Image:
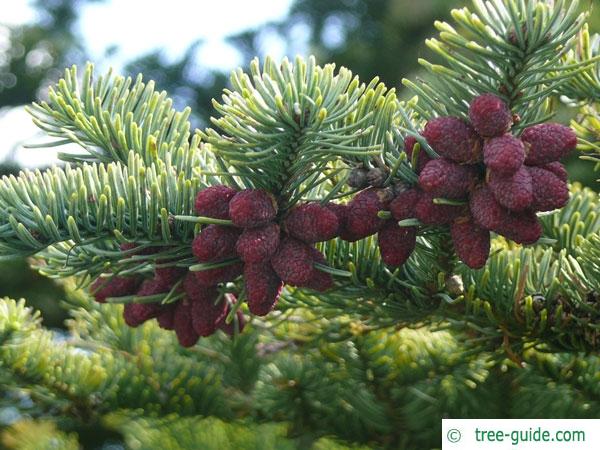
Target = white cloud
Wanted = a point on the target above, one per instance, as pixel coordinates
(17, 13)
(139, 26)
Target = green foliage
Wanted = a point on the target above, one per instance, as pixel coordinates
(587, 126)
(584, 85)
(174, 432)
(542, 293)
(385, 388)
(511, 48)
(38, 435)
(110, 116)
(94, 376)
(579, 218)
(378, 359)
(283, 124)
(584, 89)
(85, 204)
(548, 379)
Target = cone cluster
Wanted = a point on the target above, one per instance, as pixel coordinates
(268, 249)
(485, 179)
(200, 311)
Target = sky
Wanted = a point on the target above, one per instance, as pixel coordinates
(167, 25)
(172, 25)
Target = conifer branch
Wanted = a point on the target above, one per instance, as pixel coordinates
(532, 295)
(578, 219)
(100, 378)
(295, 129)
(174, 432)
(88, 208)
(376, 294)
(282, 125)
(359, 389)
(514, 53)
(582, 63)
(587, 127)
(111, 116)
(535, 296)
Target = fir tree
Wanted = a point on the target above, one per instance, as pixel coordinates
(382, 326)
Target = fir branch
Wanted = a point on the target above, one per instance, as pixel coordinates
(17, 317)
(513, 49)
(583, 272)
(582, 66)
(93, 377)
(579, 218)
(371, 382)
(583, 89)
(293, 129)
(282, 124)
(375, 387)
(534, 296)
(572, 375)
(587, 127)
(111, 116)
(91, 203)
(521, 294)
(175, 432)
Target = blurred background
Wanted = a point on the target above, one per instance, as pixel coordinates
(188, 48)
